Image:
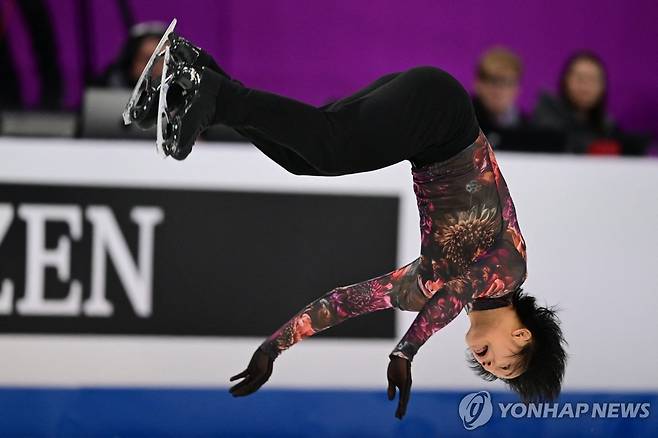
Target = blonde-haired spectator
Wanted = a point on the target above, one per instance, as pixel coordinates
(497, 83)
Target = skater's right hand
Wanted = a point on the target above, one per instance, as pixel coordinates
(399, 375)
(258, 372)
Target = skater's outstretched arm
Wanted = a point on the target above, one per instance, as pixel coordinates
(396, 289)
(499, 270)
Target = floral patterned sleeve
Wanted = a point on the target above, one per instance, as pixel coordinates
(498, 271)
(398, 288)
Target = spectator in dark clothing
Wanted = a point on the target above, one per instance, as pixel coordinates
(579, 109)
(125, 71)
(497, 81)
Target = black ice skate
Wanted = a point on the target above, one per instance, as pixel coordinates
(186, 105)
(186, 91)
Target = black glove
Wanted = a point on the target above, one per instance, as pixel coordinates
(258, 372)
(399, 375)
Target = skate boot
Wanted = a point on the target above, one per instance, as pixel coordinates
(186, 104)
(185, 94)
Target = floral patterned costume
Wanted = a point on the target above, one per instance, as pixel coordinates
(471, 250)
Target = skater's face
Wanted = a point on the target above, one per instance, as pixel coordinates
(495, 338)
(144, 51)
(498, 90)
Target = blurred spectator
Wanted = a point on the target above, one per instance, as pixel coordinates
(579, 109)
(125, 71)
(497, 81)
(497, 85)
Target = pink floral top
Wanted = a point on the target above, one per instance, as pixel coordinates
(471, 243)
(471, 249)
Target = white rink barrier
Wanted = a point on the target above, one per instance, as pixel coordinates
(589, 223)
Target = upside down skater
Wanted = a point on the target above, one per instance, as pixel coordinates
(473, 255)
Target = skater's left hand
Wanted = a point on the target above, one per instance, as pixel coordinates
(399, 375)
(258, 372)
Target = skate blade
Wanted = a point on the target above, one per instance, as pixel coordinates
(147, 71)
(162, 105)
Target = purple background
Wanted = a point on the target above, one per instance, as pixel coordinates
(317, 50)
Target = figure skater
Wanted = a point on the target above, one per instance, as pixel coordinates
(472, 255)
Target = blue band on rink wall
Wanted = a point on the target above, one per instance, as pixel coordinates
(318, 413)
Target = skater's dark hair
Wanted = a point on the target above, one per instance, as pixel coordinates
(544, 358)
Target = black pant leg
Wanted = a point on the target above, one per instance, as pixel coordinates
(285, 157)
(281, 155)
(419, 109)
(360, 93)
